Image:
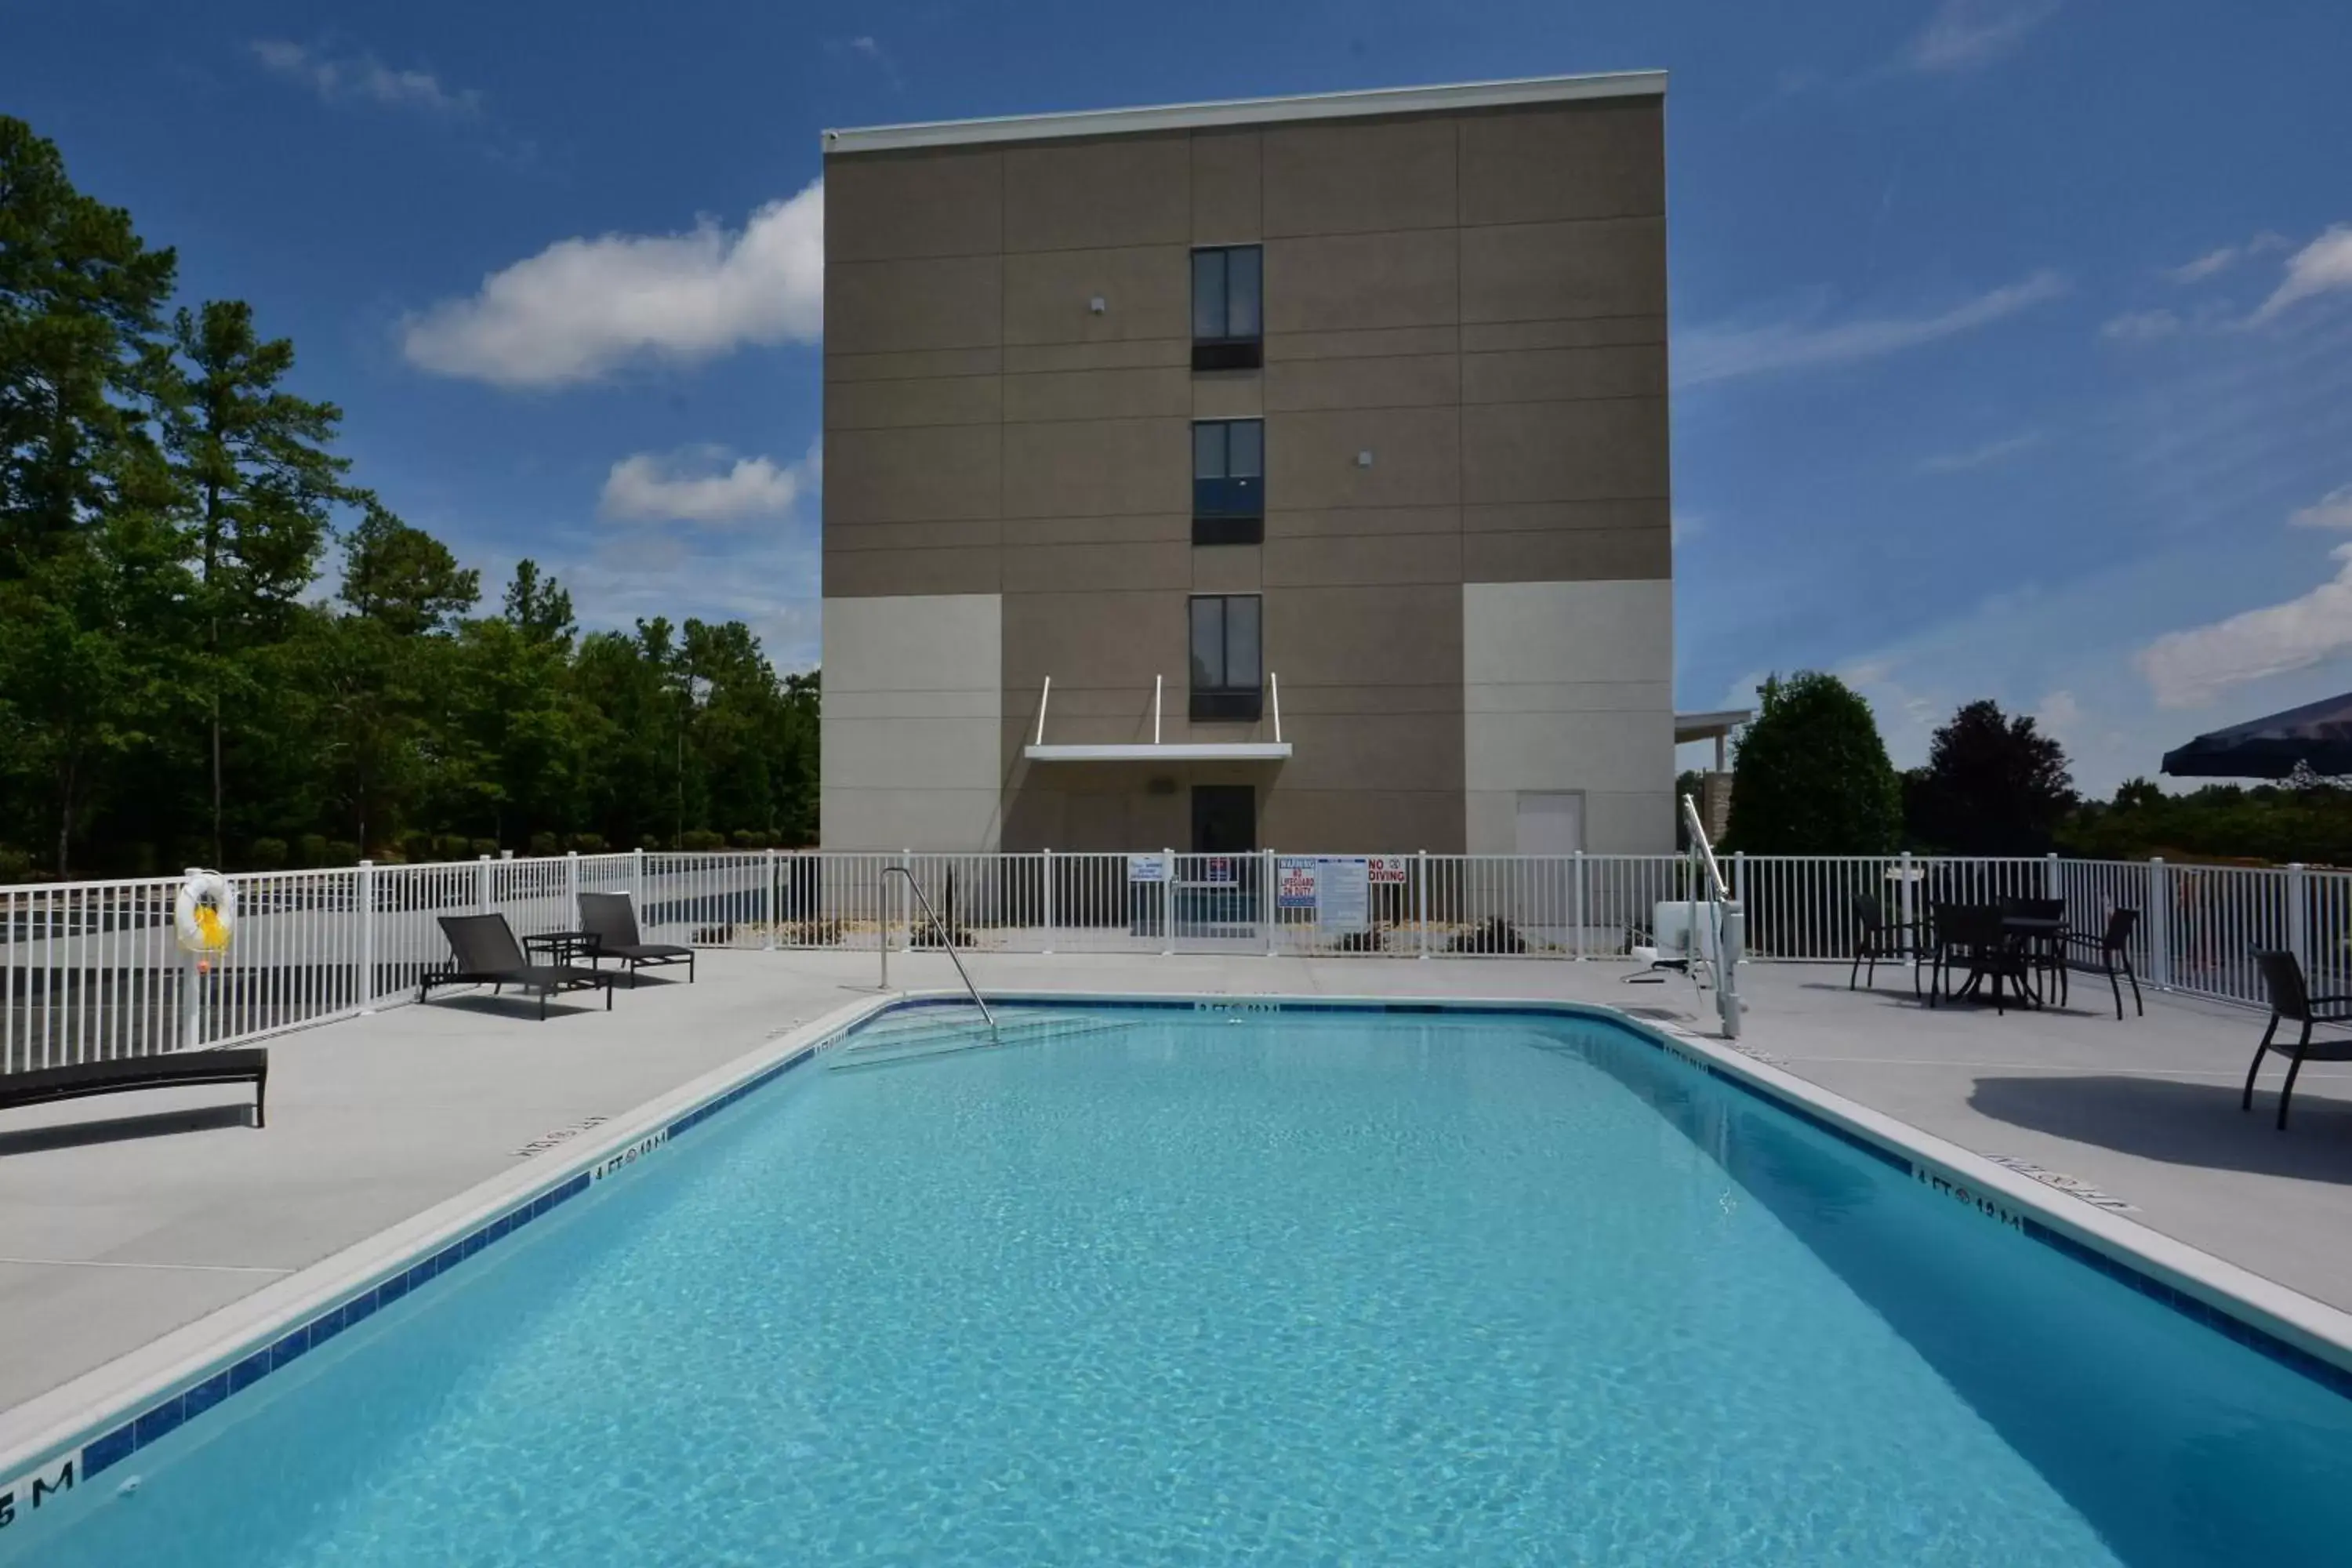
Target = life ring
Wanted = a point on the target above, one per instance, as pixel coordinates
(206, 911)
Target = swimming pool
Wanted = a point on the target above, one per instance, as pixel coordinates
(1153, 1285)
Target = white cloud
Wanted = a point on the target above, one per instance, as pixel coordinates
(1720, 353)
(583, 307)
(339, 78)
(2140, 327)
(2324, 265)
(2209, 264)
(2058, 714)
(2189, 668)
(702, 487)
(1982, 457)
(2333, 510)
(1965, 34)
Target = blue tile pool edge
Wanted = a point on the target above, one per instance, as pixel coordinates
(64, 1471)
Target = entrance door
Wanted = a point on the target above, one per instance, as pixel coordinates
(1224, 819)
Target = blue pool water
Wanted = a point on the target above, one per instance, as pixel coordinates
(1294, 1288)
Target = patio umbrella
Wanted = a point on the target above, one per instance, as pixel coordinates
(2319, 733)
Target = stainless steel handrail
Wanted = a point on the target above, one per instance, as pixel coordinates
(946, 940)
(1730, 922)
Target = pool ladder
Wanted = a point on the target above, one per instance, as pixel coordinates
(946, 940)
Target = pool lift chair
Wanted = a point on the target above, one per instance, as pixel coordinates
(1701, 935)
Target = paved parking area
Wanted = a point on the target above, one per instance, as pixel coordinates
(124, 1218)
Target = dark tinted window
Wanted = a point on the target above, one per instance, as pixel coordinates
(1225, 642)
(1226, 289)
(1228, 482)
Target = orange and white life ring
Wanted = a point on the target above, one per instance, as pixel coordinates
(205, 914)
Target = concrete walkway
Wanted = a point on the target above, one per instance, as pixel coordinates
(121, 1219)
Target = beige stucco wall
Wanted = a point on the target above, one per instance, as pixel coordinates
(909, 732)
(1568, 687)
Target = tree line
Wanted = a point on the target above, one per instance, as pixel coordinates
(1811, 776)
(216, 648)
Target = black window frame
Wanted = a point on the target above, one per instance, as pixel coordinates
(1228, 508)
(1228, 349)
(1223, 698)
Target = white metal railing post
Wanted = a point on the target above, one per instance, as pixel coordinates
(2298, 914)
(2160, 924)
(768, 866)
(192, 996)
(1167, 883)
(1420, 898)
(1583, 872)
(572, 889)
(638, 879)
(482, 883)
(364, 992)
(1740, 878)
(1048, 892)
(1270, 908)
(2049, 875)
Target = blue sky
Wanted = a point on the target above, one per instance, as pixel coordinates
(2012, 338)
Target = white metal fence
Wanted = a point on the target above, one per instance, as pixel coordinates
(90, 970)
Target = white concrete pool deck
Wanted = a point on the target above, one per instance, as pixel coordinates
(124, 1218)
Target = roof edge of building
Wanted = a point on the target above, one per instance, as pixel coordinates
(1246, 111)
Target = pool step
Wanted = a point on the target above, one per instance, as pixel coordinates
(964, 1029)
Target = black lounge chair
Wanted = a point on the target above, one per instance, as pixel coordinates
(171, 1069)
(1876, 937)
(2107, 954)
(487, 953)
(2045, 956)
(2293, 1001)
(612, 919)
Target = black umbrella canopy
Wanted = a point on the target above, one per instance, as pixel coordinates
(2319, 733)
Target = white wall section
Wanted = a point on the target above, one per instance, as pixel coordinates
(1569, 687)
(912, 726)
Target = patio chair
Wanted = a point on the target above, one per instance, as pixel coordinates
(2292, 1001)
(1874, 937)
(612, 920)
(2044, 956)
(117, 1075)
(487, 953)
(2107, 952)
(1971, 935)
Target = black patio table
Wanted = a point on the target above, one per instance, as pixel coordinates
(2027, 932)
(2019, 933)
(564, 946)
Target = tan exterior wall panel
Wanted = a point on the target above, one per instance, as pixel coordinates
(1286, 523)
(1133, 190)
(1165, 391)
(1586, 333)
(1359, 177)
(1098, 467)
(918, 474)
(1146, 293)
(1413, 751)
(1020, 358)
(891, 206)
(894, 307)
(1551, 376)
(1225, 187)
(1362, 282)
(1420, 380)
(1099, 640)
(884, 404)
(878, 573)
(1344, 821)
(1228, 394)
(1328, 562)
(1542, 272)
(1145, 528)
(1228, 568)
(1564, 451)
(1586, 555)
(1576, 161)
(917, 363)
(1399, 634)
(1623, 514)
(1077, 568)
(958, 533)
(1311, 458)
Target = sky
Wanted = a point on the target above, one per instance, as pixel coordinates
(2012, 339)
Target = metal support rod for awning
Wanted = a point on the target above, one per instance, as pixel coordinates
(1155, 709)
(1275, 681)
(1043, 697)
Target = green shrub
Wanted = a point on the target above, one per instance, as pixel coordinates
(342, 852)
(311, 849)
(267, 855)
(488, 847)
(586, 843)
(15, 866)
(449, 847)
(701, 840)
(1812, 775)
(545, 844)
(749, 838)
(416, 846)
